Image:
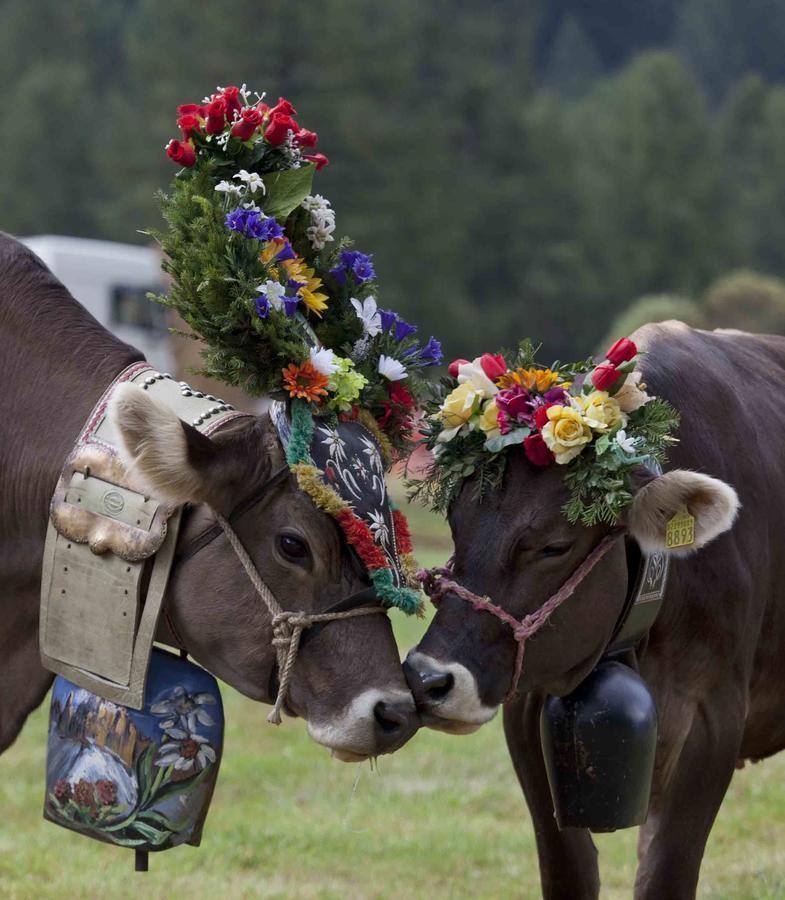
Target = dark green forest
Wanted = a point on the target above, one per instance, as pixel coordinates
(516, 167)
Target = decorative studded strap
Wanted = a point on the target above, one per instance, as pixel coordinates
(97, 624)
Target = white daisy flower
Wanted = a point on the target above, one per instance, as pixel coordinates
(323, 360)
(391, 369)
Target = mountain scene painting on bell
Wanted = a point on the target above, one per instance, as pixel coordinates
(136, 778)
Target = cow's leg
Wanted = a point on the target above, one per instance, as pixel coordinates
(689, 787)
(568, 859)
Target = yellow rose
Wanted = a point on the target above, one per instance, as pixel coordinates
(489, 420)
(457, 410)
(600, 410)
(565, 433)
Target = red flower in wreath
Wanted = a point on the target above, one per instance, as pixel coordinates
(181, 152)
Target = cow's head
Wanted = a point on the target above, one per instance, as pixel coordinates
(517, 547)
(347, 681)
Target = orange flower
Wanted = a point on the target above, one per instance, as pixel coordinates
(305, 381)
(532, 379)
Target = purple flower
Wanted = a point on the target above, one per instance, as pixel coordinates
(263, 229)
(403, 329)
(236, 221)
(290, 305)
(286, 251)
(431, 353)
(360, 266)
(262, 307)
(517, 406)
(557, 395)
(388, 318)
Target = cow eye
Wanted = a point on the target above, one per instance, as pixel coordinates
(292, 547)
(552, 550)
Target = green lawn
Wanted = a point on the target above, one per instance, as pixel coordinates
(442, 818)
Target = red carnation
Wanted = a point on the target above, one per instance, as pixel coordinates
(250, 119)
(604, 377)
(307, 138)
(189, 123)
(493, 366)
(181, 152)
(624, 349)
(455, 365)
(216, 116)
(537, 451)
(279, 127)
(283, 107)
(231, 97)
(318, 159)
(400, 395)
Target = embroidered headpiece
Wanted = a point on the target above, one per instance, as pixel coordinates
(595, 419)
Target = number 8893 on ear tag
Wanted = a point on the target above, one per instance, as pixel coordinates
(680, 530)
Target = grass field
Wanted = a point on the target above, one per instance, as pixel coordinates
(443, 818)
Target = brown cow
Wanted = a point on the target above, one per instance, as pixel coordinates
(714, 659)
(56, 361)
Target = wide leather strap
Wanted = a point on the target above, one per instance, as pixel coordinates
(97, 624)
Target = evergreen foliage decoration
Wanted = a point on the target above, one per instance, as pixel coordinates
(283, 308)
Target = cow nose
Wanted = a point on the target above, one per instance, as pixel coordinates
(429, 687)
(395, 722)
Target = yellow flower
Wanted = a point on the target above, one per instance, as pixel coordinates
(315, 301)
(565, 433)
(600, 411)
(489, 420)
(532, 379)
(456, 410)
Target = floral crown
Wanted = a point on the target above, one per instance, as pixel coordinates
(283, 307)
(596, 420)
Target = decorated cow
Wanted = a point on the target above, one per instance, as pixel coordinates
(135, 508)
(626, 609)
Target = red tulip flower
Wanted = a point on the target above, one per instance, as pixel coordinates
(493, 366)
(455, 365)
(623, 350)
(605, 376)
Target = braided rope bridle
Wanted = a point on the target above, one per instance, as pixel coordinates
(288, 625)
(438, 581)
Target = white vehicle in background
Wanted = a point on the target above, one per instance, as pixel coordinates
(112, 280)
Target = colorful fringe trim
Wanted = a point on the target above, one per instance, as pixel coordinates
(357, 532)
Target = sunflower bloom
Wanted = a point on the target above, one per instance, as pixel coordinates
(305, 382)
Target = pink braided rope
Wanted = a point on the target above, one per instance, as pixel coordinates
(437, 582)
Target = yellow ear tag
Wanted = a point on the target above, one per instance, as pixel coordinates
(680, 530)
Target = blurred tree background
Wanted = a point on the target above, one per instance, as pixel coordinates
(518, 167)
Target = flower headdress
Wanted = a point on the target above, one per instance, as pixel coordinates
(597, 421)
(283, 308)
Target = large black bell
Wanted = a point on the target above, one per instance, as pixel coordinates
(599, 744)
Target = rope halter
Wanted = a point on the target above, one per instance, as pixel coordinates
(288, 625)
(438, 581)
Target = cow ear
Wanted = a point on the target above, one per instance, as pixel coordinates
(713, 503)
(164, 456)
